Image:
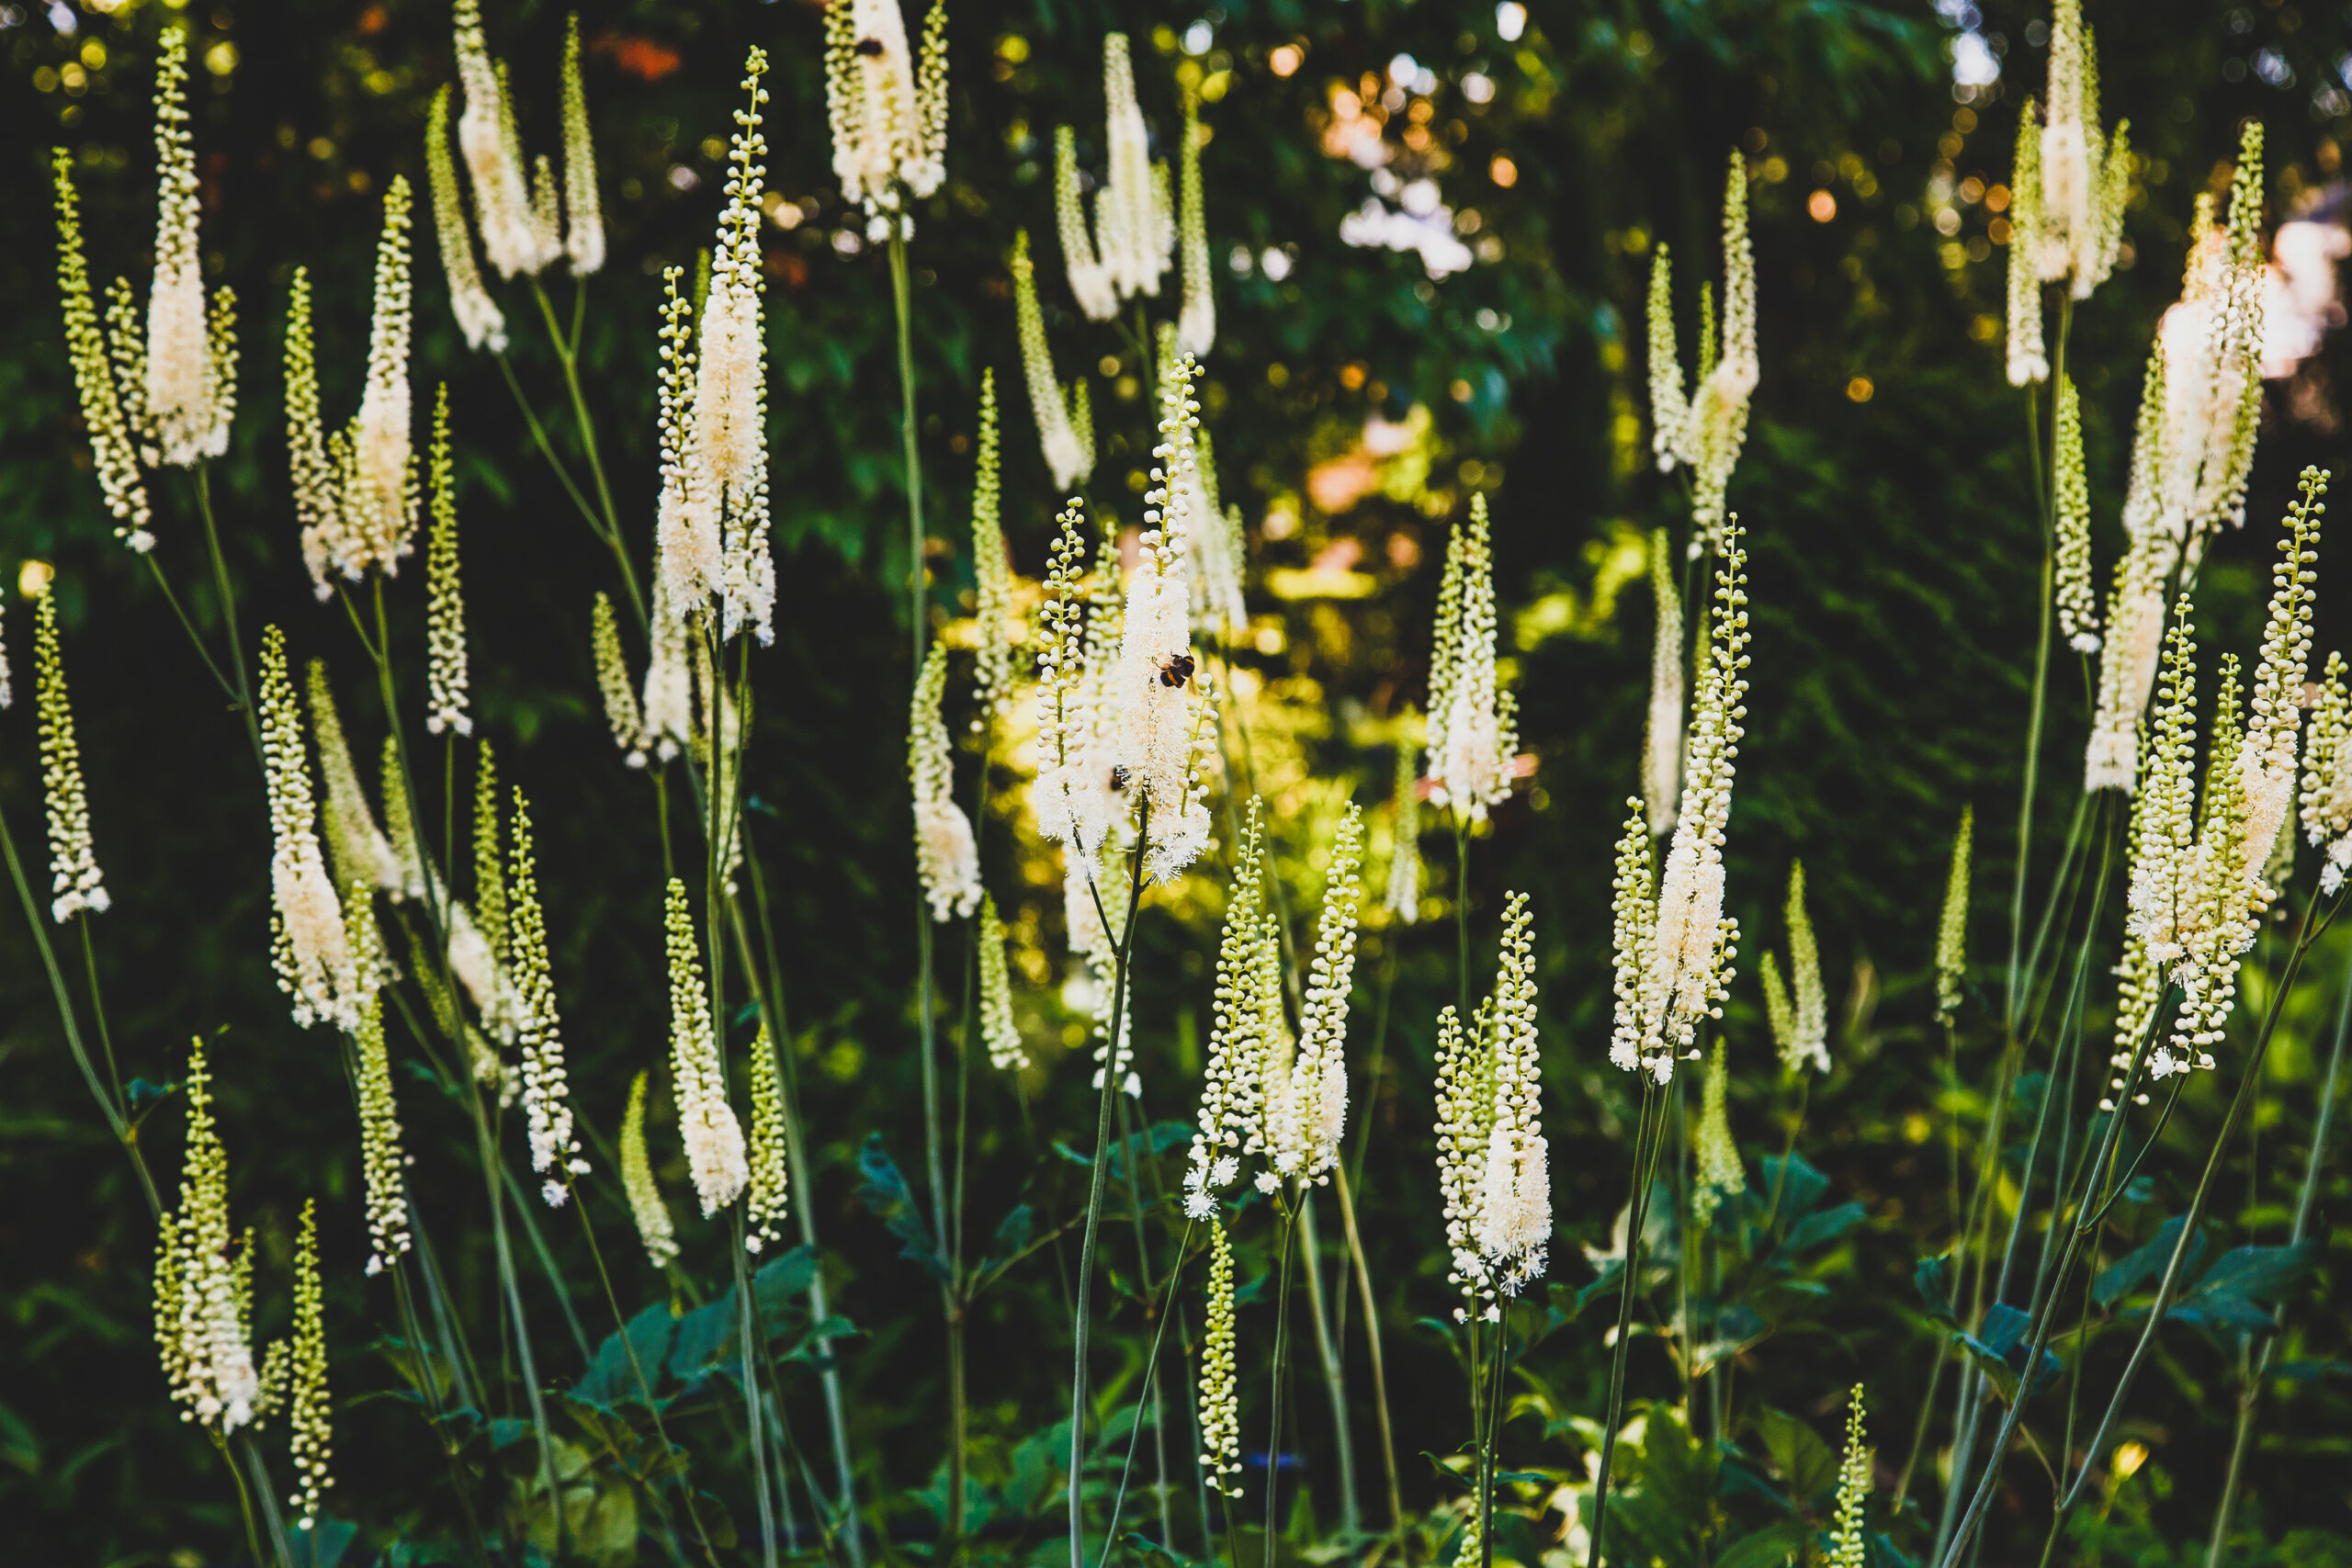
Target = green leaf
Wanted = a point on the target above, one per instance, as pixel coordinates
(1768, 1548)
(1807, 1466)
(610, 1377)
(1819, 1230)
(778, 1286)
(1800, 1189)
(885, 1194)
(1932, 1277)
(2123, 1276)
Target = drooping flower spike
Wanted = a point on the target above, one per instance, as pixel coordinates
(202, 1310)
(1662, 735)
(947, 858)
(309, 1408)
(888, 110)
(1473, 731)
(76, 885)
(1220, 1394)
(768, 1154)
(646, 1207)
(546, 1090)
(1065, 432)
(584, 239)
(714, 1139)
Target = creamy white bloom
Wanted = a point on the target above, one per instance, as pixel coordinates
(1306, 1143)
(889, 113)
(1231, 1120)
(584, 239)
(714, 1147)
(189, 394)
(76, 885)
(309, 945)
(1068, 450)
(512, 234)
(1089, 280)
(1197, 325)
(478, 314)
(1472, 728)
(1662, 736)
(203, 1276)
(947, 858)
(379, 499)
(1674, 950)
(1513, 1228)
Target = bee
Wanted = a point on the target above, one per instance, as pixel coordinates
(1177, 670)
(869, 47)
(1118, 776)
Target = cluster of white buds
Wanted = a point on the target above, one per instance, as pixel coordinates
(204, 1281)
(1848, 1546)
(1218, 545)
(76, 885)
(445, 669)
(1707, 430)
(1472, 730)
(381, 1159)
(1306, 1120)
(310, 948)
(714, 1139)
(1662, 733)
(1065, 421)
(612, 680)
(2067, 195)
(720, 456)
(1466, 1121)
(114, 451)
(998, 1031)
(1064, 725)
(1952, 928)
(1719, 1176)
(2326, 798)
(2250, 792)
(1162, 716)
(309, 1409)
(478, 314)
(1134, 238)
(1220, 1401)
(546, 1090)
(1674, 949)
(1249, 999)
(2203, 446)
(645, 1203)
(190, 385)
(519, 216)
(162, 390)
(1513, 1224)
(888, 110)
(1196, 323)
(1800, 1021)
(947, 858)
(992, 612)
(2135, 606)
(1403, 899)
(768, 1154)
(356, 493)
(2077, 610)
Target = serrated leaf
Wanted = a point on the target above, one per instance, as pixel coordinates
(1932, 1278)
(2123, 1276)
(1800, 1189)
(1808, 1468)
(1818, 1230)
(885, 1196)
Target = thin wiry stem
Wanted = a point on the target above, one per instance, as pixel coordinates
(2250, 1390)
(1648, 1137)
(1099, 1179)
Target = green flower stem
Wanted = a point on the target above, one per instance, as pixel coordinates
(744, 1315)
(2250, 1390)
(244, 681)
(1166, 1310)
(1487, 1437)
(379, 649)
(124, 1132)
(1097, 1180)
(1343, 1188)
(244, 1500)
(567, 353)
(1327, 1352)
(2249, 1079)
(1650, 1135)
(1278, 1373)
(770, 998)
(432, 1386)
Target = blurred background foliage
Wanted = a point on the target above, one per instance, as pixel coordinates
(1355, 401)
